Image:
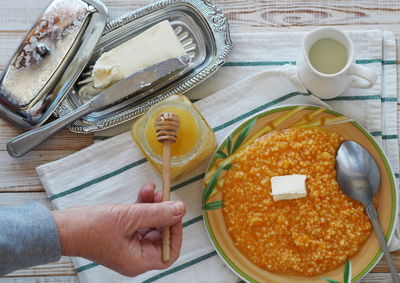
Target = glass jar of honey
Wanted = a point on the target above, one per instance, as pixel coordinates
(195, 141)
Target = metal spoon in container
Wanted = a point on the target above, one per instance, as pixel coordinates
(359, 178)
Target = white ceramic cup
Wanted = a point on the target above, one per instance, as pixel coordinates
(331, 85)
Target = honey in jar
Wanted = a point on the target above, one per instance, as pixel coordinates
(195, 141)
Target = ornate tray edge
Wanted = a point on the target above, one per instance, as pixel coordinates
(218, 23)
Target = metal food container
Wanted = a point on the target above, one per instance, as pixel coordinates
(202, 29)
(49, 60)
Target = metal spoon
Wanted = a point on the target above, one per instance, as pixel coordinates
(359, 178)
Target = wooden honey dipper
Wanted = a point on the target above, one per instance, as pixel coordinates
(167, 128)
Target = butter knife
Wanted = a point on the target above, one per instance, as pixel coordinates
(134, 87)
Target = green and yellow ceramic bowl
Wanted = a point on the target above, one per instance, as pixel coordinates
(279, 118)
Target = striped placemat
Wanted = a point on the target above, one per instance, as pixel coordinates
(114, 169)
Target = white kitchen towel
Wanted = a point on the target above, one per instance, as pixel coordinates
(114, 169)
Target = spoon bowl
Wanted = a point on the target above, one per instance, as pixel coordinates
(357, 172)
(359, 178)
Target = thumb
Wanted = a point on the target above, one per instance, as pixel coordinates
(154, 215)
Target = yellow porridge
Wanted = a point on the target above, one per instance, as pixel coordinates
(304, 236)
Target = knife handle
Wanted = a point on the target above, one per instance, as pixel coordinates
(24, 143)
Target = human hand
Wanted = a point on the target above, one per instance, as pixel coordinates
(123, 237)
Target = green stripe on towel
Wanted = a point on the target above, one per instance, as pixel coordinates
(376, 134)
(356, 97)
(180, 267)
(86, 267)
(258, 63)
(98, 180)
(389, 137)
(389, 99)
(389, 62)
(369, 61)
(101, 138)
(192, 221)
(280, 63)
(363, 97)
(187, 182)
(385, 137)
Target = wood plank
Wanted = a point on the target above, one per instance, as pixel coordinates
(377, 278)
(63, 267)
(19, 175)
(9, 41)
(63, 140)
(302, 13)
(20, 14)
(41, 279)
(15, 21)
(382, 265)
(23, 198)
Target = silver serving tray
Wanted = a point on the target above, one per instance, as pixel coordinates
(202, 29)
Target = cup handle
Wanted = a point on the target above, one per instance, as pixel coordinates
(365, 77)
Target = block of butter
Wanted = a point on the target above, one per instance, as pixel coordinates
(152, 46)
(195, 141)
(288, 187)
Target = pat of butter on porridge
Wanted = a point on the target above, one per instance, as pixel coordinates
(288, 187)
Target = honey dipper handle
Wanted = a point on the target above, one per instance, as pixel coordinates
(166, 238)
(166, 171)
(166, 242)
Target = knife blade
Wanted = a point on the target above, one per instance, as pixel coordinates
(134, 87)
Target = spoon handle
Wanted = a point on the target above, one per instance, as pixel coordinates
(371, 211)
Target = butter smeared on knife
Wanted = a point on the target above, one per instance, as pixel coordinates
(154, 45)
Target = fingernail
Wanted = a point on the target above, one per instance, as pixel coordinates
(152, 185)
(177, 208)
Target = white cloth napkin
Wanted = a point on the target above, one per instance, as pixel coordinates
(114, 169)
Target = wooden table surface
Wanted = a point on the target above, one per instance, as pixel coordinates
(18, 180)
